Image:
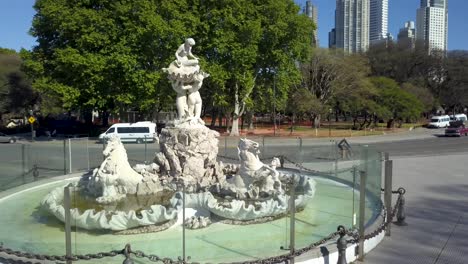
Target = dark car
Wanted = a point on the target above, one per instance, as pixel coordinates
(456, 129)
(6, 138)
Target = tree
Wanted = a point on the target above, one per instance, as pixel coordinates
(402, 105)
(251, 46)
(107, 54)
(336, 80)
(454, 95)
(16, 93)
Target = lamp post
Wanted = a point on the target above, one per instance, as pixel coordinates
(329, 122)
(274, 104)
(31, 112)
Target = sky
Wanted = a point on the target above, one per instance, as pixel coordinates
(16, 17)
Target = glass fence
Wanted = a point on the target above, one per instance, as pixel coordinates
(347, 182)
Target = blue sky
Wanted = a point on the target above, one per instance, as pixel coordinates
(16, 17)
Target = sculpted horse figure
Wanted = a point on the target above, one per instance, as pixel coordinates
(254, 177)
(115, 177)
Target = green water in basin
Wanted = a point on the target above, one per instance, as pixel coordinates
(27, 228)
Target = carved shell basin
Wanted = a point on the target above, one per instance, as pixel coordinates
(158, 214)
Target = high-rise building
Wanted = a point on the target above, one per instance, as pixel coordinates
(407, 35)
(432, 24)
(378, 20)
(311, 11)
(332, 39)
(352, 25)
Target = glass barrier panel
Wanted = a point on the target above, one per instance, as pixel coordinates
(370, 167)
(374, 184)
(47, 159)
(78, 155)
(14, 165)
(95, 152)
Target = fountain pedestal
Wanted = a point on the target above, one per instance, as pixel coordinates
(189, 153)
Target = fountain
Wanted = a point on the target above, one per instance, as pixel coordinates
(251, 192)
(236, 211)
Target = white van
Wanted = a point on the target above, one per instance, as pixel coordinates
(439, 121)
(138, 132)
(458, 117)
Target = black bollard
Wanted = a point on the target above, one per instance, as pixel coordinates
(342, 245)
(401, 214)
(127, 250)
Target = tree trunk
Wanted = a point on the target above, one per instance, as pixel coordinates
(317, 120)
(238, 111)
(220, 119)
(251, 119)
(390, 123)
(214, 115)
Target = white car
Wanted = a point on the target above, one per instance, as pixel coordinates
(138, 132)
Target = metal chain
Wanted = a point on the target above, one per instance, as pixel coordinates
(383, 225)
(20, 254)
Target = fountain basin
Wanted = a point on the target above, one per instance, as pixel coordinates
(27, 228)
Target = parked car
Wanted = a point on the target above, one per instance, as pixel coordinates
(6, 138)
(457, 129)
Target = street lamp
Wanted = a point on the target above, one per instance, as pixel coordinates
(31, 113)
(329, 122)
(274, 104)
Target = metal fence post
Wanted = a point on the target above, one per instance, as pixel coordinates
(127, 250)
(23, 162)
(69, 156)
(388, 191)
(292, 221)
(183, 221)
(66, 205)
(342, 244)
(87, 152)
(225, 146)
(401, 212)
(146, 150)
(362, 213)
(301, 151)
(64, 157)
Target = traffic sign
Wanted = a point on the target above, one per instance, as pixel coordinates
(31, 119)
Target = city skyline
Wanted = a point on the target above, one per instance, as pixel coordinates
(399, 12)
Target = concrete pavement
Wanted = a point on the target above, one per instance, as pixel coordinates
(437, 213)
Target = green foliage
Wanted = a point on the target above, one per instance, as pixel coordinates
(109, 54)
(16, 94)
(401, 104)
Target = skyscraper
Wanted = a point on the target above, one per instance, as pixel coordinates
(378, 20)
(311, 11)
(352, 25)
(407, 35)
(432, 24)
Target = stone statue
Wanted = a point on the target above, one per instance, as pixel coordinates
(186, 79)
